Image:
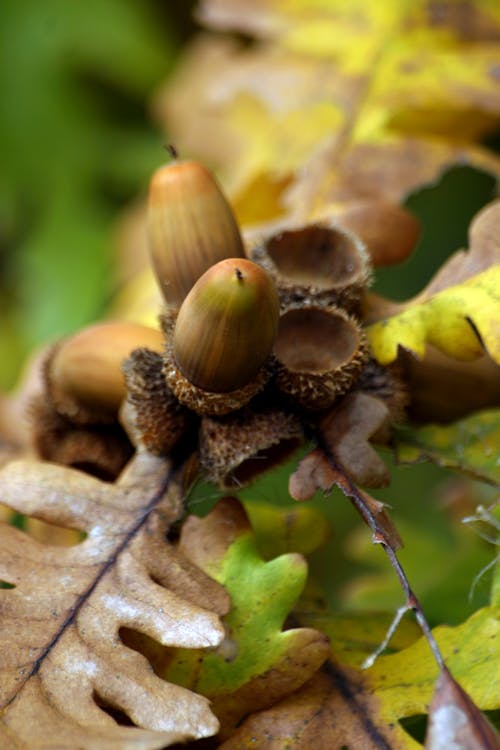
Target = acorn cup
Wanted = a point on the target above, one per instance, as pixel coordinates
(321, 263)
(152, 417)
(98, 449)
(83, 375)
(320, 352)
(191, 226)
(218, 349)
(236, 448)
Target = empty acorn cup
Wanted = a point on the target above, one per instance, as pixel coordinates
(219, 346)
(191, 226)
(321, 263)
(236, 448)
(320, 352)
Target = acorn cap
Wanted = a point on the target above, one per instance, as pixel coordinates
(100, 450)
(198, 400)
(191, 226)
(321, 263)
(151, 414)
(226, 326)
(83, 375)
(235, 449)
(319, 352)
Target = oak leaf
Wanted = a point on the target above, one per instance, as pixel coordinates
(469, 445)
(336, 103)
(345, 706)
(64, 667)
(461, 321)
(346, 431)
(457, 312)
(454, 720)
(240, 677)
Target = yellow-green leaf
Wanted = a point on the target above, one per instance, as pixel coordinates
(342, 101)
(469, 445)
(258, 663)
(445, 321)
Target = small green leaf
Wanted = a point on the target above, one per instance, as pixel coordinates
(259, 662)
(301, 528)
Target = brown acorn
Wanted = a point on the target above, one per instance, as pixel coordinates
(319, 353)
(223, 336)
(191, 226)
(390, 232)
(84, 380)
(317, 263)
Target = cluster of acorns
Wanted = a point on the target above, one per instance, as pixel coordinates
(255, 344)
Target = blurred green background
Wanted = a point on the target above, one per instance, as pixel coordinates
(77, 145)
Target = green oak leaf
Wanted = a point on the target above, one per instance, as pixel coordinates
(344, 705)
(259, 662)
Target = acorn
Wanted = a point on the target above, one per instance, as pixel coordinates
(389, 232)
(84, 380)
(318, 263)
(218, 351)
(319, 353)
(191, 226)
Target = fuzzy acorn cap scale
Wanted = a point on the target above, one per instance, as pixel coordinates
(320, 352)
(321, 263)
(236, 448)
(151, 415)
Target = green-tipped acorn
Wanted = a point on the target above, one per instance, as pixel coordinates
(226, 326)
(191, 226)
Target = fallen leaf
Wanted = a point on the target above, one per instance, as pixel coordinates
(238, 677)
(335, 103)
(461, 321)
(346, 430)
(445, 389)
(343, 706)
(469, 445)
(301, 529)
(63, 660)
(455, 722)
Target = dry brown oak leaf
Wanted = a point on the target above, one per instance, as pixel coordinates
(62, 661)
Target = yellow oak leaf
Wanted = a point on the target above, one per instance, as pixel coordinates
(337, 101)
(460, 321)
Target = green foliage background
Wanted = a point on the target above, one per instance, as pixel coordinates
(77, 143)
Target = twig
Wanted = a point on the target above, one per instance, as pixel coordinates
(385, 535)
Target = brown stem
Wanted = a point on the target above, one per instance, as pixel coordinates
(385, 535)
